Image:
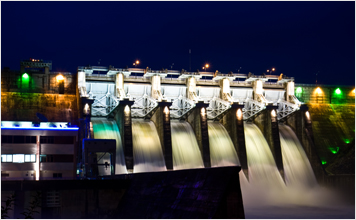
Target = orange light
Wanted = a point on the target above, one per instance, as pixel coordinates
(273, 69)
(137, 61)
(59, 77)
(206, 65)
(239, 114)
(318, 90)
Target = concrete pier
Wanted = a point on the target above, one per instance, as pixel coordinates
(268, 124)
(234, 125)
(161, 119)
(199, 122)
(122, 116)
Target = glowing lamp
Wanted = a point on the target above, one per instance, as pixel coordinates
(127, 109)
(338, 91)
(25, 76)
(318, 91)
(273, 113)
(137, 61)
(86, 109)
(299, 90)
(59, 78)
(202, 111)
(239, 114)
(206, 65)
(307, 114)
(166, 110)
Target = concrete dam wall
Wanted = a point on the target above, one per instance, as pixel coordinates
(16, 106)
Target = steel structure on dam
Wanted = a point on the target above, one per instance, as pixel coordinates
(146, 87)
(195, 97)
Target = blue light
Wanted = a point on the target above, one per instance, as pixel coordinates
(39, 128)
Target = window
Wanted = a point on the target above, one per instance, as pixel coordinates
(19, 158)
(57, 139)
(30, 158)
(43, 158)
(17, 139)
(5, 174)
(64, 139)
(57, 158)
(57, 175)
(47, 139)
(6, 158)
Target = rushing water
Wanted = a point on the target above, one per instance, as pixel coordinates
(222, 151)
(185, 149)
(297, 169)
(261, 165)
(105, 129)
(265, 195)
(147, 150)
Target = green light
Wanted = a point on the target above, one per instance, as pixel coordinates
(323, 162)
(338, 91)
(25, 76)
(334, 150)
(299, 90)
(347, 141)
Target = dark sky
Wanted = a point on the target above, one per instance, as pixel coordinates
(299, 39)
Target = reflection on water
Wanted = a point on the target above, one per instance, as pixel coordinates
(185, 149)
(107, 129)
(147, 150)
(222, 151)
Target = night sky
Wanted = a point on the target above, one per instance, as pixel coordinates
(299, 39)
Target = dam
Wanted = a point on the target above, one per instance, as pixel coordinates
(136, 121)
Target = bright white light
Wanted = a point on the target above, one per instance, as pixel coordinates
(30, 157)
(86, 110)
(273, 113)
(59, 77)
(27, 158)
(307, 115)
(203, 111)
(19, 158)
(127, 109)
(318, 90)
(166, 110)
(9, 158)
